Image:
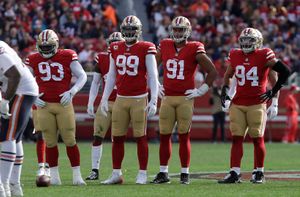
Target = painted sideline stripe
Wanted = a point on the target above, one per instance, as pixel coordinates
(224, 172)
(280, 118)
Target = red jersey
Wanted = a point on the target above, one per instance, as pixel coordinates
(131, 71)
(102, 60)
(251, 73)
(53, 75)
(291, 104)
(179, 66)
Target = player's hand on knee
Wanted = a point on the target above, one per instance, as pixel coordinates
(39, 102)
(104, 107)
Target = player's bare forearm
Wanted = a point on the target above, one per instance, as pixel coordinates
(273, 77)
(13, 80)
(228, 75)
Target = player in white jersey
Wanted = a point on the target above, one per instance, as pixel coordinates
(19, 91)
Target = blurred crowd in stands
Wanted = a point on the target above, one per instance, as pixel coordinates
(217, 23)
(83, 25)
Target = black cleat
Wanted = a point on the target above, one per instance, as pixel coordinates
(161, 177)
(232, 177)
(94, 175)
(184, 178)
(259, 178)
(253, 176)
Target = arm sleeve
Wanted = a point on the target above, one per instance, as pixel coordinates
(232, 89)
(152, 76)
(80, 74)
(94, 88)
(111, 79)
(283, 74)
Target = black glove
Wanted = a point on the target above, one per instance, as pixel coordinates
(268, 95)
(224, 95)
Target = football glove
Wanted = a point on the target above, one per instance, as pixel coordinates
(90, 110)
(192, 93)
(224, 95)
(227, 105)
(161, 91)
(151, 108)
(104, 107)
(272, 110)
(66, 97)
(268, 95)
(39, 102)
(4, 109)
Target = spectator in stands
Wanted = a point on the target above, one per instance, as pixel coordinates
(292, 108)
(217, 113)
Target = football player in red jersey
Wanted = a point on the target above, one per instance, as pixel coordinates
(132, 65)
(180, 59)
(53, 69)
(40, 145)
(101, 122)
(251, 65)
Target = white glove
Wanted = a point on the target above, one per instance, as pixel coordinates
(227, 105)
(161, 91)
(104, 107)
(4, 109)
(39, 102)
(192, 93)
(151, 108)
(272, 110)
(90, 110)
(66, 97)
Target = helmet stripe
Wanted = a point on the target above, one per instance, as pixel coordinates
(43, 36)
(47, 32)
(129, 18)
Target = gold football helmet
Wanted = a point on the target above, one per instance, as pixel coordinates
(131, 28)
(47, 43)
(250, 40)
(115, 36)
(180, 29)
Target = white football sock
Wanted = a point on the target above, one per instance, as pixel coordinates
(41, 165)
(117, 171)
(236, 169)
(76, 171)
(17, 168)
(260, 169)
(164, 169)
(185, 170)
(96, 156)
(54, 172)
(143, 172)
(7, 159)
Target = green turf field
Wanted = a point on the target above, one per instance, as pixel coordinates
(205, 158)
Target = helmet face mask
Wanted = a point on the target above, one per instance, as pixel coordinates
(47, 43)
(131, 28)
(250, 40)
(180, 29)
(114, 37)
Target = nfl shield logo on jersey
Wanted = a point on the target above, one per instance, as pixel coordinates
(115, 47)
